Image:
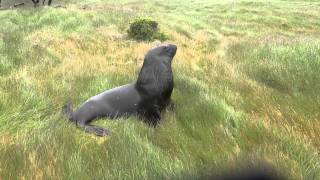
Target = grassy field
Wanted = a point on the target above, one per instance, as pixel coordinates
(247, 88)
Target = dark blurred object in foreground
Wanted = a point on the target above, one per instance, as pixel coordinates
(243, 170)
(248, 174)
(260, 173)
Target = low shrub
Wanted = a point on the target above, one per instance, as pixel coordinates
(145, 29)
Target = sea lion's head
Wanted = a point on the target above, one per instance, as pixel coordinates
(163, 52)
(155, 80)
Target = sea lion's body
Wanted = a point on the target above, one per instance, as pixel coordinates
(116, 102)
(145, 98)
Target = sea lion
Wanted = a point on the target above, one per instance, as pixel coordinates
(146, 98)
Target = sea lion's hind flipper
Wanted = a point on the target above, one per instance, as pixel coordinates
(98, 131)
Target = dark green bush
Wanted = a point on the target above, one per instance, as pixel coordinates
(145, 29)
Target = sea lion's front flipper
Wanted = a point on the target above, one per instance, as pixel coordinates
(153, 115)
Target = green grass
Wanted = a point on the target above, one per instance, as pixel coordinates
(246, 89)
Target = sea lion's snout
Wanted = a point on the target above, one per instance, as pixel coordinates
(172, 49)
(164, 51)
